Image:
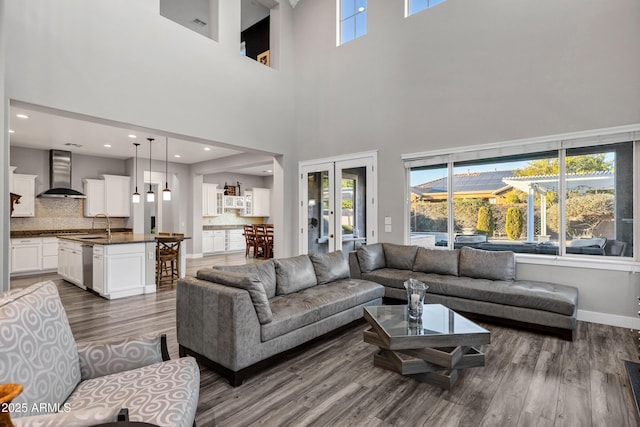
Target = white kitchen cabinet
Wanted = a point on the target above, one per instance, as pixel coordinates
(70, 262)
(233, 202)
(207, 241)
(211, 200)
(257, 202)
(26, 255)
(98, 269)
(120, 271)
(30, 255)
(235, 240)
(25, 186)
(213, 241)
(117, 191)
(95, 201)
(218, 240)
(110, 195)
(49, 253)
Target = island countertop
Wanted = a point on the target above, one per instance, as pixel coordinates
(116, 238)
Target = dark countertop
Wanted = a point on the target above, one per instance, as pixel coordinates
(116, 238)
(17, 234)
(222, 227)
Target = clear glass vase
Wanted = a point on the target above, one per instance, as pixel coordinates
(416, 291)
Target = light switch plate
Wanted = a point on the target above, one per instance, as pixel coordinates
(387, 228)
(387, 220)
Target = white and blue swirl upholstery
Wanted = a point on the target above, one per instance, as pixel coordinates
(89, 382)
(37, 348)
(108, 357)
(164, 393)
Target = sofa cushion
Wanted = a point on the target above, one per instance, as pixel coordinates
(38, 348)
(491, 265)
(294, 274)
(439, 261)
(399, 256)
(330, 267)
(164, 394)
(291, 312)
(392, 278)
(265, 270)
(543, 296)
(371, 257)
(249, 282)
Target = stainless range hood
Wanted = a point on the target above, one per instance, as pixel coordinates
(60, 176)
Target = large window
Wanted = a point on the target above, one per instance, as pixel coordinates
(570, 201)
(415, 6)
(352, 20)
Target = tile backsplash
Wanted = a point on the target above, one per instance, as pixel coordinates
(59, 214)
(231, 218)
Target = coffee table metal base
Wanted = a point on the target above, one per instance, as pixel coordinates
(437, 366)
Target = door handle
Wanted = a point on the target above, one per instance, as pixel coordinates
(331, 236)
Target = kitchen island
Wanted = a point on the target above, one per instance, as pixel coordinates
(115, 266)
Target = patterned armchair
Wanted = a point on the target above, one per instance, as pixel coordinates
(87, 383)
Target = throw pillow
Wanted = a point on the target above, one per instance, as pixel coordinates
(400, 257)
(266, 271)
(371, 257)
(294, 274)
(330, 267)
(248, 282)
(438, 261)
(481, 264)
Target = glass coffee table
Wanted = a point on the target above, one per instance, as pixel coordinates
(432, 350)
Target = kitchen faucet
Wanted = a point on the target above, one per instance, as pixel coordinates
(108, 221)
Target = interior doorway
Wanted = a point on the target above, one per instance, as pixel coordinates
(338, 203)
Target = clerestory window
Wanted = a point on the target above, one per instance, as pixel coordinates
(352, 20)
(415, 6)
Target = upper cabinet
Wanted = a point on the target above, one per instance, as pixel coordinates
(211, 200)
(25, 186)
(109, 195)
(257, 202)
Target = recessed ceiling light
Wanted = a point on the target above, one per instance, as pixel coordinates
(22, 116)
(177, 155)
(267, 171)
(107, 145)
(207, 148)
(132, 136)
(12, 131)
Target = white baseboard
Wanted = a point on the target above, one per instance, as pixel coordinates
(193, 256)
(609, 319)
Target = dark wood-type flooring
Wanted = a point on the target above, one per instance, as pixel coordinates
(529, 379)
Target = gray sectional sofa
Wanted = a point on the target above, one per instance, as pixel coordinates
(237, 319)
(478, 283)
(87, 383)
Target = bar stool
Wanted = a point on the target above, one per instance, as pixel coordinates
(167, 257)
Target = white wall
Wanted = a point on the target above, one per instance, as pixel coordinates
(463, 73)
(120, 60)
(4, 171)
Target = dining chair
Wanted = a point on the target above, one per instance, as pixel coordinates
(250, 239)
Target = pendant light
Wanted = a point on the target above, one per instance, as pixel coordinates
(135, 198)
(166, 193)
(151, 197)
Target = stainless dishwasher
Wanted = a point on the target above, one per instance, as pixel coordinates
(87, 266)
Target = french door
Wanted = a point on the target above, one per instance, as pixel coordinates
(337, 204)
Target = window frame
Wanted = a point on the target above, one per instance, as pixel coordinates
(559, 143)
(339, 21)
